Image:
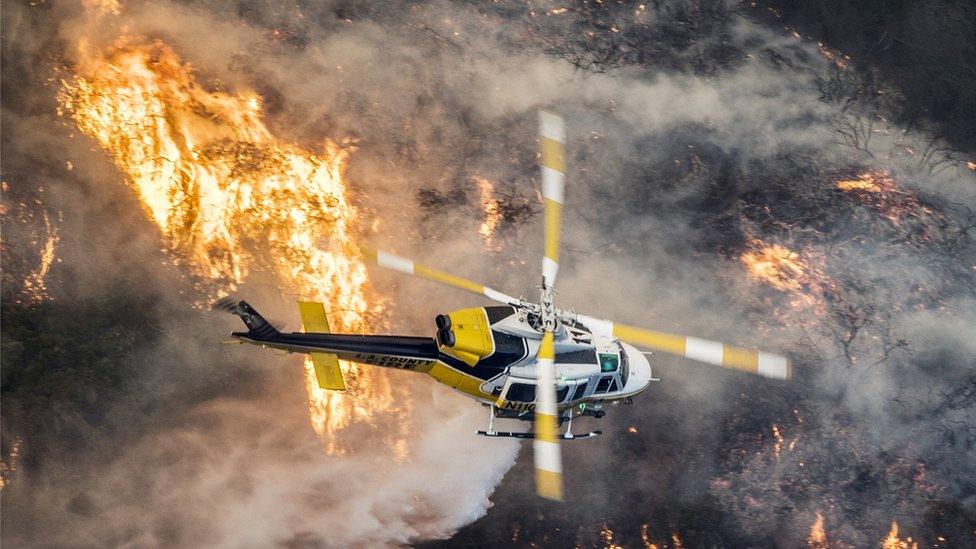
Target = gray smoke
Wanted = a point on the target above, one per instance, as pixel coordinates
(673, 157)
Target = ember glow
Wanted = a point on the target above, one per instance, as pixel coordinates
(229, 197)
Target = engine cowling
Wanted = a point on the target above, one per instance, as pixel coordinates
(465, 334)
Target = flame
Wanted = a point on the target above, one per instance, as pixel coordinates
(112, 7)
(778, 445)
(35, 288)
(676, 541)
(646, 537)
(869, 182)
(8, 466)
(230, 198)
(493, 212)
(818, 536)
(894, 204)
(892, 541)
(774, 264)
(606, 534)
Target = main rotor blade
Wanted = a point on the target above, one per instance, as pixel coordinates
(547, 459)
(552, 138)
(408, 266)
(703, 350)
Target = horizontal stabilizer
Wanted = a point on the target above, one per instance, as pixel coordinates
(327, 370)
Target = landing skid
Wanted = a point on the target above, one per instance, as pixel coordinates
(564, 436)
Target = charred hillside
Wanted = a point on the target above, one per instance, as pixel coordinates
(729, 177)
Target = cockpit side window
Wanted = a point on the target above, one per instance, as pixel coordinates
(624, 367)
(604, 384)
(521, 392)
(609, 362)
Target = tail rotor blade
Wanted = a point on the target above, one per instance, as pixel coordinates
(408, 266)
(552, 139)
(716, 353)
(545, 446)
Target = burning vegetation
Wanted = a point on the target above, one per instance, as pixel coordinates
(230, 198)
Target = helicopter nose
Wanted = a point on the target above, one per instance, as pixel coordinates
(640, 370)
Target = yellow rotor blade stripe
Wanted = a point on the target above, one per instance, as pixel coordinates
(554, 212)
(668, 343)
(441, 276)
(708, 351)
(738, 358)
(545, 427)
(369, 255)
(553, 155)
(549, 484)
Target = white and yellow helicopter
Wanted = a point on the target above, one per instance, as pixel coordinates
(523, 360)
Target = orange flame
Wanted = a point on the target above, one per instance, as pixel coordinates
(892, 541)
(35, 287)
(229, 197)
(646, 537)
(818, 535)
(493, 213)
(774, 264)
(9, 466)
(778, 441)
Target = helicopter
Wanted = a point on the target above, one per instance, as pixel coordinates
(523, 360)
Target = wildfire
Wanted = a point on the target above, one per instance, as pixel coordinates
(892, 541)
(818, 535)
(774, 264)
(493, 213)
(229, 197)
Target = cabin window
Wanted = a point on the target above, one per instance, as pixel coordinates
(580, 390)
(609, 362)
(613, 386)
(561, 393)
(586, 356)
(521, 392)
(604, 384)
